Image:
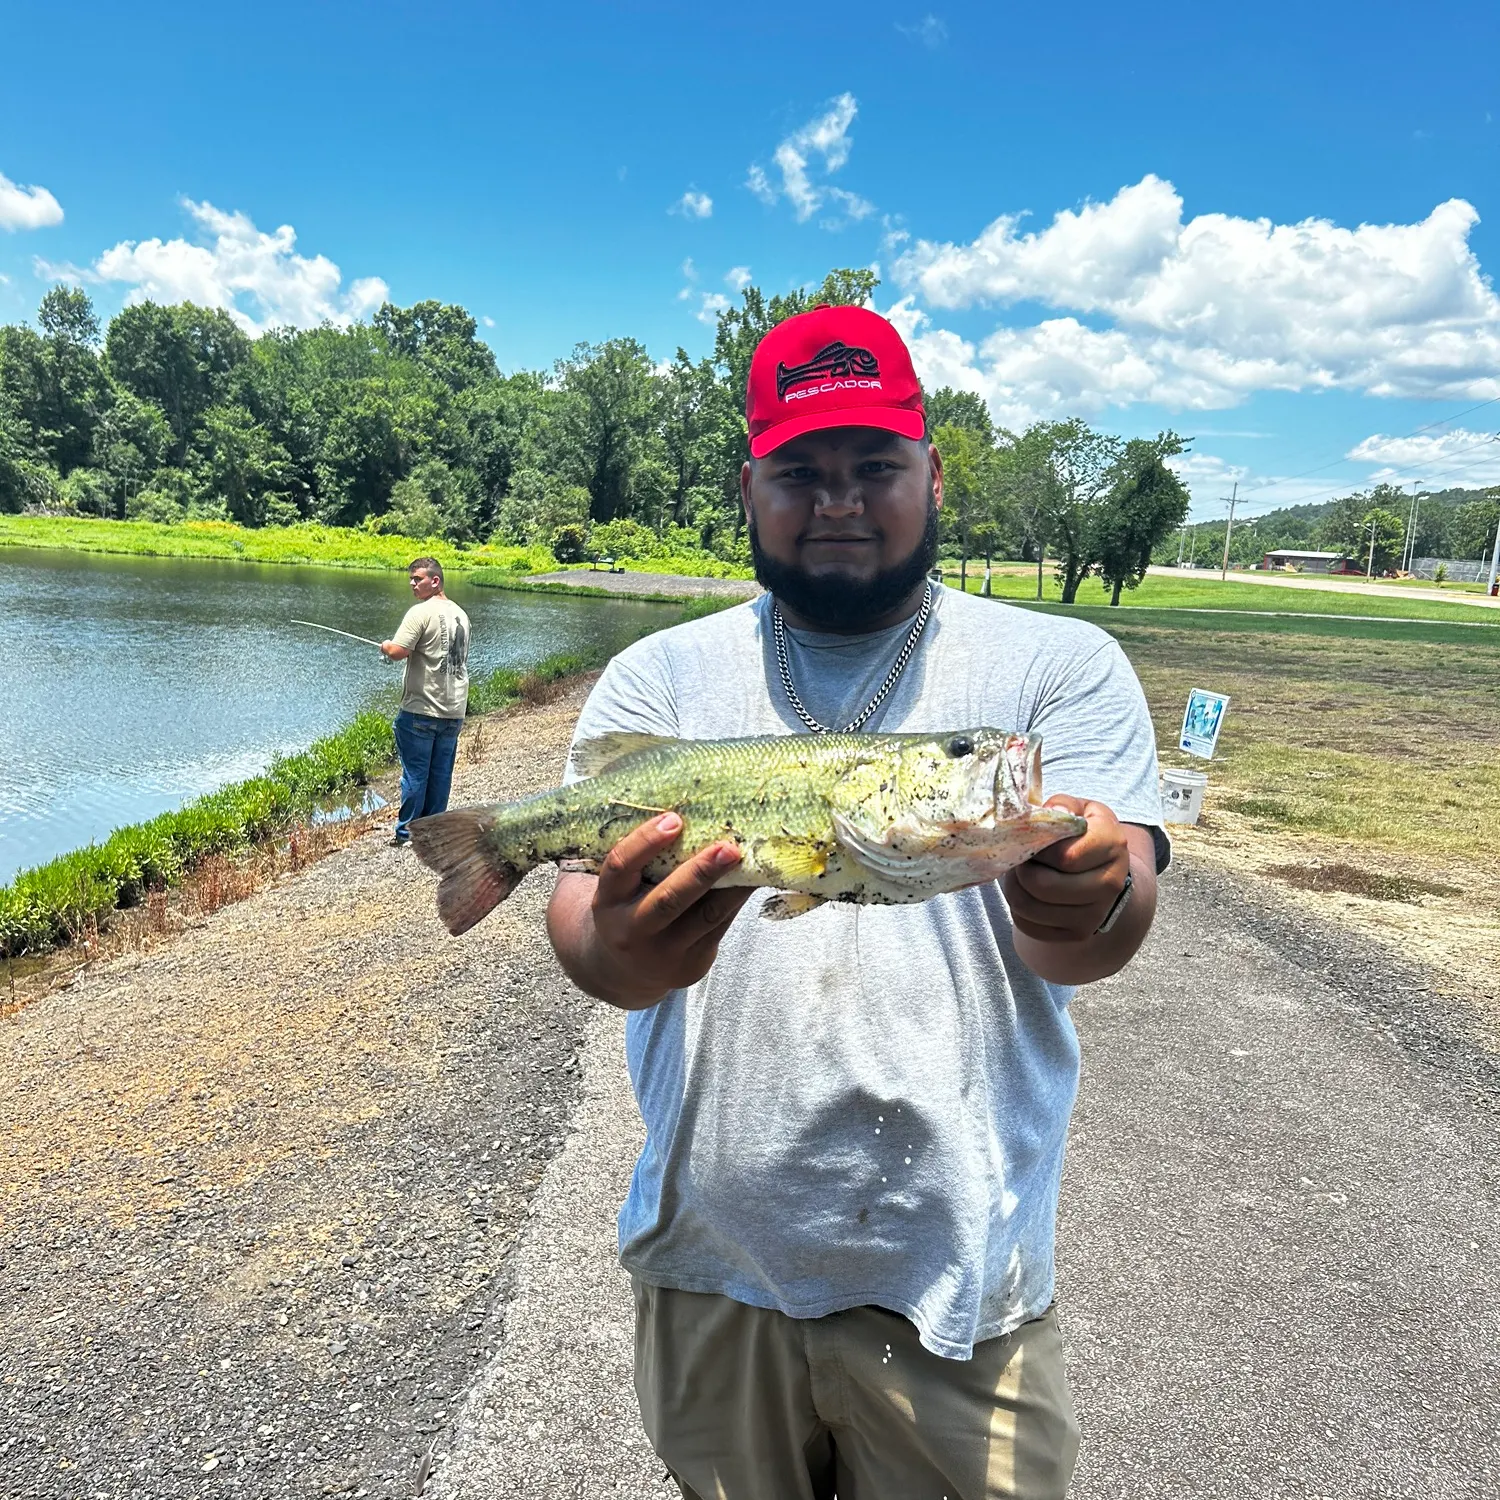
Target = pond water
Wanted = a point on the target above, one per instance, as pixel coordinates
(133, 684)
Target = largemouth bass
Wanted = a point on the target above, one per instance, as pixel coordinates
(874, 818)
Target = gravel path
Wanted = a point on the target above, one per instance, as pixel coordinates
(315, 1191)
(261, 1185)
(1278, 1244)
(652, 583)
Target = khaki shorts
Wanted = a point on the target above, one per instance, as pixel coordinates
(747, 1404)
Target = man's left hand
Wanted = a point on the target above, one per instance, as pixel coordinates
(1063, 893)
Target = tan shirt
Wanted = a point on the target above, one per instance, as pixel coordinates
(436, 632)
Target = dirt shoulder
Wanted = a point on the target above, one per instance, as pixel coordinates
(262, 1183)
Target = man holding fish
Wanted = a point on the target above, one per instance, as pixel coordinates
(856, 1085)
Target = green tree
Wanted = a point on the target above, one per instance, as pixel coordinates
(1473, 527)
(433, 500)
(441, 338)
(1145, 502)
(180, 358)
(237, 462)
(607, 423)
(1081, 465)
(131, 443)
(740, 329)
(1383, 534)
(947, 407)
(966, 487)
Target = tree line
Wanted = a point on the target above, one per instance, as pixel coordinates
(405, 425)
(1456, 524)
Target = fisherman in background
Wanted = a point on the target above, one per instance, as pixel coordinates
(840, 1229)
(433, 641)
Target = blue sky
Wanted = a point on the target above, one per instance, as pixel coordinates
(1274, 233)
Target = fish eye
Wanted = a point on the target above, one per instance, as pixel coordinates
(959, 746)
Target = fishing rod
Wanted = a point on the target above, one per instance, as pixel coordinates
(335, 631)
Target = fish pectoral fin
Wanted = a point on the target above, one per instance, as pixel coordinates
(788, 860)
(578, 866)
(604, 752)
(784, 905)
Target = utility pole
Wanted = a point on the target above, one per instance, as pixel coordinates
(1229, 527)
(1181, 539)
(1409, 551)
(1370, 566)
(1489, 588)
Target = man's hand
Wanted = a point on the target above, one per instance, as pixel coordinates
(627, 942)
(1059, 897)
(1063, 893)
(392, 652)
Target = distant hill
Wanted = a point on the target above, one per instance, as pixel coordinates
(1441, 532)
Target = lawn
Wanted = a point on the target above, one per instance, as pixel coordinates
(1018, 582)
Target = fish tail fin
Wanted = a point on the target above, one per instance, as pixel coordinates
(474, 880)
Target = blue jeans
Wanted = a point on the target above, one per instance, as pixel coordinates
(427, 747)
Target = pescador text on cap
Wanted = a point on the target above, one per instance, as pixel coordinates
(831, 367)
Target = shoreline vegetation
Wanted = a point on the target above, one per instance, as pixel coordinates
(515, 568)
(308, 544)
(67, 900)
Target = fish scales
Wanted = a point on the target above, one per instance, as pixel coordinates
(850, 817)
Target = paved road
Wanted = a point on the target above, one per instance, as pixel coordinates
(1278, 1247)
(1334, 585)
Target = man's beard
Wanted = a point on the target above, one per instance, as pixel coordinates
(847, 604)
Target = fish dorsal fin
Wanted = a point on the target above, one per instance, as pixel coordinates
(603, 753)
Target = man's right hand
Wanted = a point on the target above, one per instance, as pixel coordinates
(628, 942)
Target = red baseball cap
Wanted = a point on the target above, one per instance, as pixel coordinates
(831, 367)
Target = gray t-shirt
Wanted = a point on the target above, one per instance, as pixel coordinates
(869, 1105)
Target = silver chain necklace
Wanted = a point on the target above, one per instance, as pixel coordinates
(778, 632)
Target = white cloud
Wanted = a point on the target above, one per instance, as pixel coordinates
(826, 137)
(27, 207)
(712, 305)
(257, 278)
(738, 277)
(487, 321)
(693, 205)
(930, 31)
(1202, 313)
(1460, 458)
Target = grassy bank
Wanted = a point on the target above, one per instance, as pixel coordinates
(323, 546)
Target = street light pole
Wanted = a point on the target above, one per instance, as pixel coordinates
(1229, 527)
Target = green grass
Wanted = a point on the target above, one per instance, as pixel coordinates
(55, 903)
(324, 546)
(1156, 592)
(1378, 734)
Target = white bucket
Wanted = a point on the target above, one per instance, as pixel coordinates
(1182, 795)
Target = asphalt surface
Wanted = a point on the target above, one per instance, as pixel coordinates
(1279, 1242)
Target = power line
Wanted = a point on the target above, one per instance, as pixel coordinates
(1415, 432)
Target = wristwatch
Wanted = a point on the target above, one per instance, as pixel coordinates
(1121, 902)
